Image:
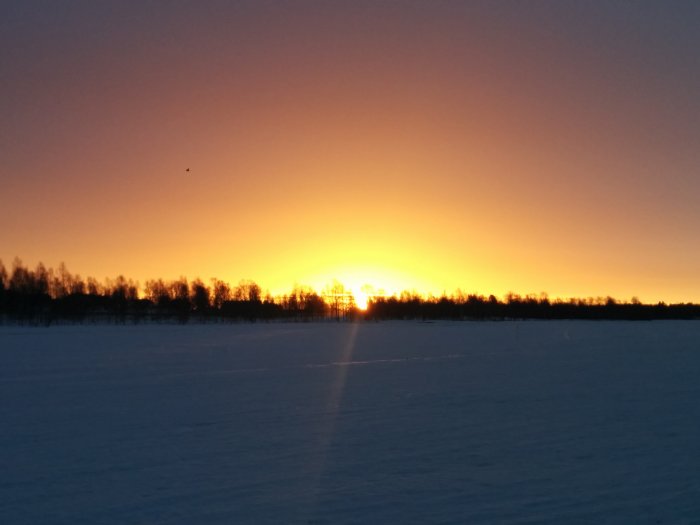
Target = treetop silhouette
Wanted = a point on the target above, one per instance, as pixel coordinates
(45, 296)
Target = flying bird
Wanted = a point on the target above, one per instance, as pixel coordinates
(187, 169)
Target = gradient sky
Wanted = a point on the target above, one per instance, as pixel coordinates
(539, 146)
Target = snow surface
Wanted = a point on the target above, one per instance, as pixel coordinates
(402, 422)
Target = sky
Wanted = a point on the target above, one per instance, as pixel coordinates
(540, 146)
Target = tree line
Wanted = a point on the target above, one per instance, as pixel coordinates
(45, 296)
(479, 307)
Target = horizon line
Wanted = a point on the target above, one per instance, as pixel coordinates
(63, 278)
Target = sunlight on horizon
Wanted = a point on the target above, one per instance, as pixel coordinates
(361, 299)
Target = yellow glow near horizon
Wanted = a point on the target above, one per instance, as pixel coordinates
(361, 299)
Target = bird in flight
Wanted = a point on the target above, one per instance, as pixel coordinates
(187, 169)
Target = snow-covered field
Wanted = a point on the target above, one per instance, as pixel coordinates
(494, 423)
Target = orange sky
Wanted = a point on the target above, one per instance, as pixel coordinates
(493, 147)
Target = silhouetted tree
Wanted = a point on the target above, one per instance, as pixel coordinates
(93, 286)
(41, 279)
(77, 286)
(157, 292)
(199, 296)
(44, 295)
(221, 292)
(338, 298)
(20, 281)
(247, 291)
(180, 298)
(303, 303)
(246, 303)
(121, 293)
(3, 286)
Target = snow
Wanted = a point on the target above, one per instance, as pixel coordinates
(333, 423)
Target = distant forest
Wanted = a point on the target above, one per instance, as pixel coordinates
(45, 296)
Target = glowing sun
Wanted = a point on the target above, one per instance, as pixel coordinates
(361, 298)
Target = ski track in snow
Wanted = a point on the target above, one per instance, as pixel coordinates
(399, 422)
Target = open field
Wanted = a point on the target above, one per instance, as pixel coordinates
(332, 423)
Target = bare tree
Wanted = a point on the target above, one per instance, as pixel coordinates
(3, 284)
(221, 292)
(247, 290)
(21, 280)
(199, 296)
(339, 299)
(93, 286)
(180, 290)
(41, 279)
(157, 292)
(61, 282)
